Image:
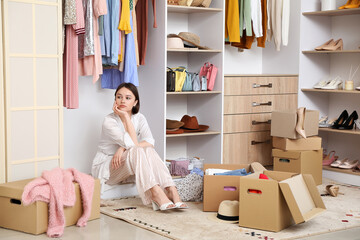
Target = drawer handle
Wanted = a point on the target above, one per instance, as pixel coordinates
(255, 142)
(265, 122)
(255, 85)
(255, 104)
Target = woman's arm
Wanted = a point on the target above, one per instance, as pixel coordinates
(116, 160)
(129, 126)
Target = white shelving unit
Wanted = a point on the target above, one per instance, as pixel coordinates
(318, 27)
(208, 24)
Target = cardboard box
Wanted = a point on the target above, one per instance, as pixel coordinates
(34, 218)
(218, 188)
(310, 143)
(283, 124)
(281, 201)
(308, 162)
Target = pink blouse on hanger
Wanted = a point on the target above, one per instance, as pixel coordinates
(92, 65)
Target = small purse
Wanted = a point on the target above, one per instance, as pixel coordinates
(196, 85)
(170, 80)
(188, 83)
(180, 78)
(203, 83)
(210, 71)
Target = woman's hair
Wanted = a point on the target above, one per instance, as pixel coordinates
(134, 90)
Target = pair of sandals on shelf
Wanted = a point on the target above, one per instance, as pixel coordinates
(330, 84)
(332, 160)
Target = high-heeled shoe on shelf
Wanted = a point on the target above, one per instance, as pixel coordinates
(353, 4)
(338, 45)
(350, 121)
(164, 207)
(341, 119)
(347, 3)
(331, 42)
(336, 83)
(338, 162)
(300, 122)
(329, 159)
(349, 164)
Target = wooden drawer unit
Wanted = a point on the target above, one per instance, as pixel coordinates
(247, 148)
(259, 103)
(247, 123)
(248, 103)
(261, 85)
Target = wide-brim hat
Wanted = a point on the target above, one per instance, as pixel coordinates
(228, 212)
(191, 124)
(189, 37)
(173, 124)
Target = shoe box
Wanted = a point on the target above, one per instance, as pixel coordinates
(283, 124)
(309, 162)
(220, 187)
(283, 200)
(34, 218)
(301, 144)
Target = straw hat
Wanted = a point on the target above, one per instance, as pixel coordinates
(173, 124)
(201, 3)
(190, 38)
(228, 212)
(185, 2)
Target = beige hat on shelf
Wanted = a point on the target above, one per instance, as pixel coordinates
(189, 38)
(185, 2)
(228, 212)
(175, 43)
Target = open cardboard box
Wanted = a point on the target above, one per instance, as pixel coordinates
(279, 202)
(304, 162)
(219, 188)
(34, 218)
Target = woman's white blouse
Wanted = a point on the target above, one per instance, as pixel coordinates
(113, 136)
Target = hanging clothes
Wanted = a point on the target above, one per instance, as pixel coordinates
(91, 65)
(232, 21)
(124, 24)
(276, 12)
(133, 15)
(245, 17)
(86, 41)
(71, 81)
(256, 17)
(141, 8)
(261, 41)
(285, 24)
(111, 34)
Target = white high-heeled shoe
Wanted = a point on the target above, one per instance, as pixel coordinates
(179, 205)
(163, 207)
(336, 83)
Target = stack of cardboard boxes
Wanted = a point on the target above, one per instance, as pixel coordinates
(291, 152)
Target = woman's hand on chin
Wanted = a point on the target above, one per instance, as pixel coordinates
(120, 113)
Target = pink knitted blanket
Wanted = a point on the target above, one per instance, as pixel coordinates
(56, 188)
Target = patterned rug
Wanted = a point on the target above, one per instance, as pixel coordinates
(343, 212)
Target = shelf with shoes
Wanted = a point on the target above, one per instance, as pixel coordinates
(318, 29)
(206, 106)
(330, 91)
(331, 52)
(341, 12)
(347, 171)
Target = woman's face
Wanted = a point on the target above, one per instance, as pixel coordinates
(125, 100)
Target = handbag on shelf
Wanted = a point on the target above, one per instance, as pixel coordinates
(210, 71)
(188, 83)
(170, 80)
(196, 85)
(203, 83)
(180, 78)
